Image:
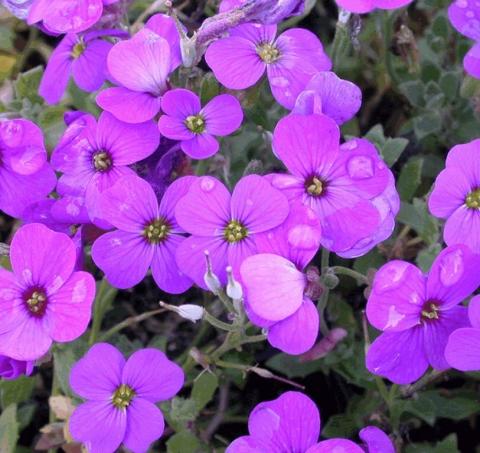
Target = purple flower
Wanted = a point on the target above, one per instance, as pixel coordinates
(151, 55)
(463, 347)
(291, 424)
(147, 235)
(121, 396)
(43, 299)
(349, 187)
(265, 11)
(465, 17)
(225, 225)
(417, 313)
(365, 6)
(275, 287)
(184, 119)
(13, 369)
(328, 94)
(25, 175)
(456, 196)
(239, 60)
(93, 156)
(66, 16)
(83, 57)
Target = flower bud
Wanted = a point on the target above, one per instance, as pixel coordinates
(191, 312)
(234, 289)
(210, 279)
(12, 369)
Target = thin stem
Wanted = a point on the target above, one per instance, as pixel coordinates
(105, 296)
(217, 323)
(131, 321)
(341, 40)
(153, 8)
(321, 307)
(360, 278)
(226, 301)
(325, 263)
(23, 57)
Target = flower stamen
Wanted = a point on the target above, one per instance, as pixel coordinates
(102, 161)
(315, 186)
(36, 302)
(78, 49)
(235, 232)
(123, 396)
(430, 311)
(195, 123)
(156, 231)
(473, 199)
(268, 53)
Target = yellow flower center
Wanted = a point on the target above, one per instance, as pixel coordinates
(157, 231)
(235, 232)
(36, 302)
(473, 199)
(195, 123)
(268, 52)
(123, 396)
(102, 161)
(78, 49)
(430, 311)
(315, 186)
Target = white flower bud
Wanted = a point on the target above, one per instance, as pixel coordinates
(210, 279)
(191, 312)
(234, 289)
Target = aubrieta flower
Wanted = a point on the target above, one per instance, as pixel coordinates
(463, 347)
(275, 287)
(329, 94)
(265, 11)
(195, 127)
(150, 55)
(82, 56)
(93, 155)
(12, 369)
(66, 16)
(464, 15)
(121, 396)
(456, 196)
(418, 312)
(225, 225)
(25, 175)
(349, 187)
(291, 424)
(43, 299)
(365, 6)
(239, 60)
(147, 235)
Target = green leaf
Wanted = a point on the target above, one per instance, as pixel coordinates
(426, 124)
(450, 83)
(16, 391)
(339, 426)
(291, 367)
(27, 85)
(209, 88)
(426, 257)
(64, 356)
(393, 149)
(8, 429)
(447, 445)
(6, 38)
(376, 135)
(410, 178)
(203, 389)
(414, 91)
(418, 217)
(183, 442)
(183, 410)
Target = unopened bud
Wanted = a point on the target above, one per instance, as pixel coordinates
(191, 312)
(187, 311)
(210, 279)
(234, 289)
(188, 50)
(330, 280)
(325, 345)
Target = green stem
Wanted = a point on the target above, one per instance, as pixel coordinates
(321, 307)
(129, 322)
(226, 301)
(23, 57)
(387, 26)
(360, 278)
(217, 323)
(325, 263)
(105, 296)
(341, 40)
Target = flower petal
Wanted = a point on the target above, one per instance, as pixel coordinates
(205, 209)
(145, 424)
(129, 106)
(463, 349)
(376, 440)
(273, 285)
(99, 425)
(335, 445)
(463, 227)
(307, 145)
(152, 375)
(124, 257)
(397, 296)
(70, 308)
(180, 103)
(223, 115)
(398, 356)
(42, 257)
(284, 334)
(201, 146)
(98, 373)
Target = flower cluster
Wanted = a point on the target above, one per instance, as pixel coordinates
(117, 196)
